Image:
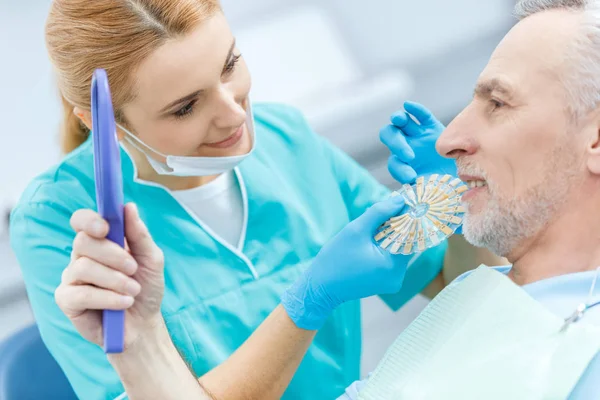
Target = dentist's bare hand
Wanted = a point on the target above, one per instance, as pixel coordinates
(103, 275)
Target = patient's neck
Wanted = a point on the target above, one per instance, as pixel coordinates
(570, 243)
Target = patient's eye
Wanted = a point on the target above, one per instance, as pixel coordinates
(496, 104)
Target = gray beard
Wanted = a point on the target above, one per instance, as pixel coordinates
(507, 222)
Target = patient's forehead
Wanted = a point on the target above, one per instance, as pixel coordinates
(535, 52)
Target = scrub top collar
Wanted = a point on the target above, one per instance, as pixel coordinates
(131, 179)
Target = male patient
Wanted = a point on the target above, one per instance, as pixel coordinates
(528, 145)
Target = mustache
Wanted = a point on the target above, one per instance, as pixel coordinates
(468, 168)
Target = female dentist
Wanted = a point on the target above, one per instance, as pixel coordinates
(233, 235)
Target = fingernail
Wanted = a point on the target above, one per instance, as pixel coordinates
(133, 288)
(97, 227)
(130, 265)
(126, 301)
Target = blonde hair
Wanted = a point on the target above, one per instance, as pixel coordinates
(83, 35)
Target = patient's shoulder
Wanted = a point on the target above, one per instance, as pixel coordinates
(588, 386)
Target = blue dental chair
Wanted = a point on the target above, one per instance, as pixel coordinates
(28, 371)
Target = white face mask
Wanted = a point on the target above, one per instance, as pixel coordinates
(193, 166)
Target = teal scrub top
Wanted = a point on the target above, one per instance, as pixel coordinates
(298, 192)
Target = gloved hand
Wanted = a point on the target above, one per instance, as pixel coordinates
(349, 267)
(413, 144)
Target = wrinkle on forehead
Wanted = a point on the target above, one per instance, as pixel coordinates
(534, 56)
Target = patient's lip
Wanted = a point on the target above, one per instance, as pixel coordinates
(466, 178)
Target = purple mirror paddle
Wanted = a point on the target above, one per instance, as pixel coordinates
(109, 191)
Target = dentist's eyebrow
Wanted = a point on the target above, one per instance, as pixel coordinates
(194, 95)
(182, 100)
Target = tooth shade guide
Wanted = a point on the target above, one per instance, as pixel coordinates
(388, 230)
(383, 234)
(443, 195)
(393, 228)
(391, 239)
(420, 238)
(402, 225)
(404, 238)
(442, 227)
(443, 203)
(462, 189)
(419, 189)
(447, 218)
(396, 247)
(450, 210)
(430, 187)
(409, 195)
(455, 182)
(450, 195)
(434, 212)
(395, 219)
(431, 191)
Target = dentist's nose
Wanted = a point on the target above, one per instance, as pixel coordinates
(229, 111)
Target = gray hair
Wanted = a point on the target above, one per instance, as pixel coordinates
(582, 84)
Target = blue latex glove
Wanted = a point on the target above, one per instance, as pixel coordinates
(413, 145)
(349, 267)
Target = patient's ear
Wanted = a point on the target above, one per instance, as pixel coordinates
(593, 146)
(593, 159)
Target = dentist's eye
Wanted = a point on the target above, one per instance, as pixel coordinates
(230, 66)
(186, 110)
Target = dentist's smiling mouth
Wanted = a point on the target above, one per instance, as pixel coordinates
(230, 141)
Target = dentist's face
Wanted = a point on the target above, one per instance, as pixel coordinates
(191, 95)
(514, 144)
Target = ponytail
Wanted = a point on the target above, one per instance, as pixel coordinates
(72, 132)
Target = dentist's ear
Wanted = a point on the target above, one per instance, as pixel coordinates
(84, 116)
(120, 133)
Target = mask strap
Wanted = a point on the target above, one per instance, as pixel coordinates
(139, 141)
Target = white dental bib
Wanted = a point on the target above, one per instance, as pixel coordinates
(484, 338)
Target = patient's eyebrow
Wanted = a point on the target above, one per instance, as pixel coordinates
(487, 87)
